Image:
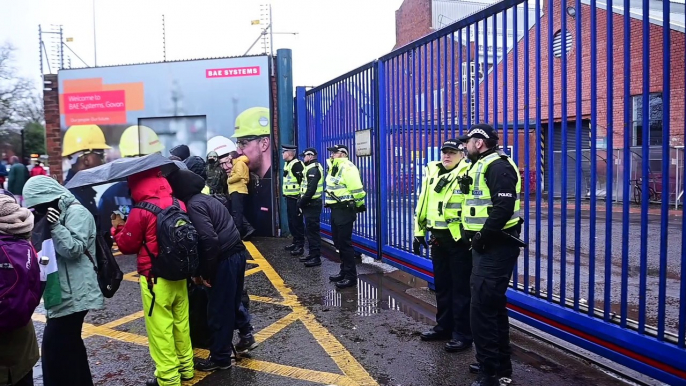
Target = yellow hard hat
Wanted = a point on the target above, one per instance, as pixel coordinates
(139, 140)
(83, 137)
(253, 122)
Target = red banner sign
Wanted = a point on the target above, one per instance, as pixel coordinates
(94, 102)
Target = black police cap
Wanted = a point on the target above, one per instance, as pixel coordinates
(309, 151)
(339, 148)
(482, 131)
(289, 148)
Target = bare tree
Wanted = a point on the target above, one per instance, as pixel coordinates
(18, 101)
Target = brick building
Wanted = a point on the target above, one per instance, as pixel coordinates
(416, 18)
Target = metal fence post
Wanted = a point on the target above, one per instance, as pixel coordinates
(379, 85)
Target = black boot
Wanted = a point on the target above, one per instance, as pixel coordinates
(298, 251)
(505, 371)
(304, 258)
(290, 247)
(486, 380)
(313, 262)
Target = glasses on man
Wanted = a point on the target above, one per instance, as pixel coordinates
(242, 143)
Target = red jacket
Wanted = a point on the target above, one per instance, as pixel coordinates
(38, 171)
(148, 186)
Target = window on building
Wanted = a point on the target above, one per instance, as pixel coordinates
(654, 119)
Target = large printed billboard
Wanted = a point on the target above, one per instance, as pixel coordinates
(127, 111)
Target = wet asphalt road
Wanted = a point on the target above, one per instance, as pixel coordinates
(363, 335)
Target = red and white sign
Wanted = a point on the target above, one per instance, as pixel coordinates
(232, 72)
(95, 102)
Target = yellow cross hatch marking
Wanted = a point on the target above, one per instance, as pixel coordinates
(354, 373)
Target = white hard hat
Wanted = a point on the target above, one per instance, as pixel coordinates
(221, 145)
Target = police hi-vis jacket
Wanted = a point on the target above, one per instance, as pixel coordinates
(440, 210)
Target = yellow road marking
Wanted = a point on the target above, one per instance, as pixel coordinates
(296, 372)
(263, 299)
(342, 357)
(131, 276)
(275, 327)
(355, 374)
(123, 320)
(252, 270)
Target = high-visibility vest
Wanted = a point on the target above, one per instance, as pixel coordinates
(477, 203)
(453, 201)
(320, 183)
(290, 185)
(440, 210)
(345, 185)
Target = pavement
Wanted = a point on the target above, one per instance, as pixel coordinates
(310, 333)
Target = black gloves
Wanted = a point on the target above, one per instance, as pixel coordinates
(361, 208)
(483, 237)
(334, 170)
(416, 243)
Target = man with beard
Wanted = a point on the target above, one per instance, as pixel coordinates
(253, 137)
(490, 217)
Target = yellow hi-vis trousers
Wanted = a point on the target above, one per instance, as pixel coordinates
(168, 331)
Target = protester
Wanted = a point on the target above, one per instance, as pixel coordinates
(38, 170)
(181, 151)
(3, 174)
(18, 346)
(243, 318)
(222, 264)
(216, 176)
(167, 327)
(238, 191)
(64, 357)
(18, 175)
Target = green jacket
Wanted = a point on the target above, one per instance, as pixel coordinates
(18, 353)
(71, 235)
(17, 177)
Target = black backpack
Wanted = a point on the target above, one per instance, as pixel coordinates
(177, 243)
(107, 269)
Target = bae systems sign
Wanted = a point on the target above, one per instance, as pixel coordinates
(233, 72)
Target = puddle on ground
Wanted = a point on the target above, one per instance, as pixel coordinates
(374, 293)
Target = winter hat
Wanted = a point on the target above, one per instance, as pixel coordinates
(14, 220)
(197, 165)
(181, 151)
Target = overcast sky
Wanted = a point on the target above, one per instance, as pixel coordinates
(335, 36)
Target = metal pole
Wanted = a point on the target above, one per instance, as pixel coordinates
(164, 39)
(40, 48)
(95, 46)
(271, 31)
(61, 50)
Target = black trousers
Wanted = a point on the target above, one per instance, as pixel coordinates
(491, 274)
(63, 354)
(312, 213)
(224, 305)
(295, 221)
(342, 220)
(237, 212)
(26, 381)
(452, 263)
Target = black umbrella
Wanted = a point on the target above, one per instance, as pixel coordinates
(118, 170)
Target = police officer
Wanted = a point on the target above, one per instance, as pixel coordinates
(438, 210)
(490, 217)
(310, 202)
(290, 187)
(345, 196)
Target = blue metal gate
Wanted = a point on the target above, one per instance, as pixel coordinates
(600, 271)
